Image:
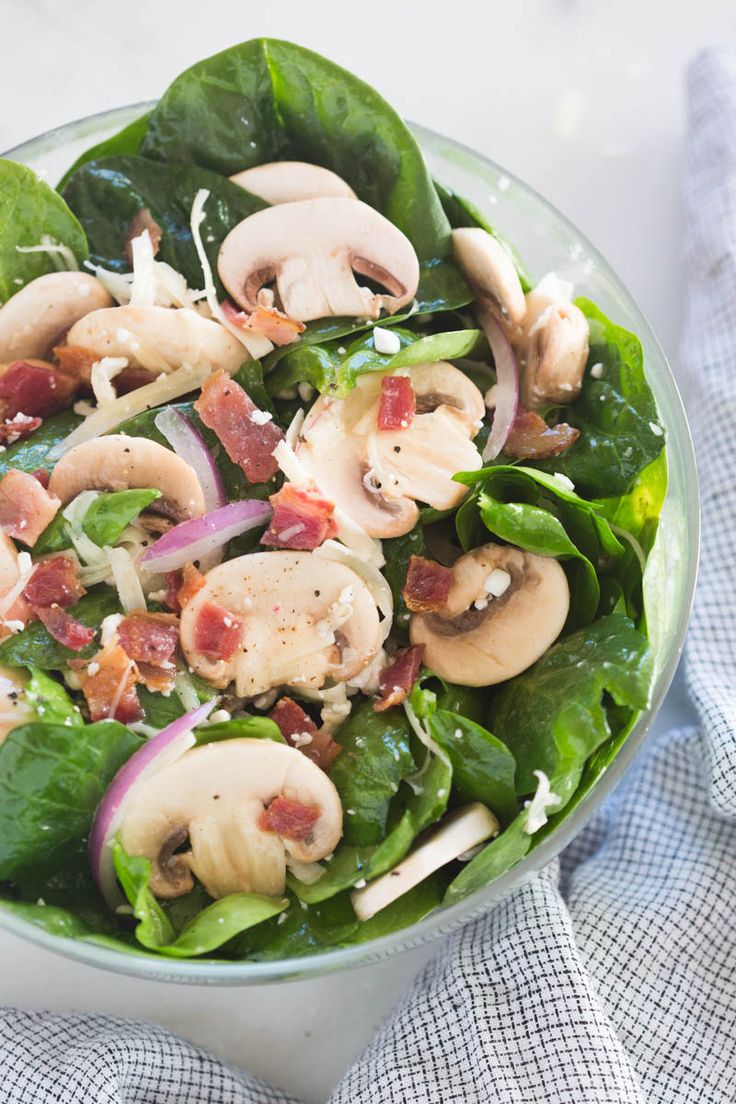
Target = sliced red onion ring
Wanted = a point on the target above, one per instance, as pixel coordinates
(507, 383)
(198, 538)
(188, 442)
(160, 751)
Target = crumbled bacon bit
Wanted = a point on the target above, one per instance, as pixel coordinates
(181, 586)
(64, 628)
(54, 582)
(17, 428)
(42, 476)
(217, 633)
(26, 508)
(295, 726)
(35, 389)
(76, 361)
(142, 220)
(108, 684)
(398, 403)
(271, 323)
(397, 679)
(427, 585)
(150, 637)
(228, 410)
(289, 819)
(301, 519)
(159, 680)
(530, 438)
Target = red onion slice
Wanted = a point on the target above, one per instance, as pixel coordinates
(188, 443)
(164, 748)
(198, 538)
(507, 383)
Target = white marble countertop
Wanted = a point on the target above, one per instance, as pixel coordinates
(582, 100)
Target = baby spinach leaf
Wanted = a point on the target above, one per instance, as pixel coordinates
(554, 716)
(109, 515)
(51, 701)
(126, 142)
(52, 777)
(637, 512)
(35, 647)
(106, 194)
(29, 455)
(29, 211)
(482, 765)
(251, 728)
(55, 920)
(160, 711)
(292, 103)
(55, 537)
(494, 860)
(206, 931)
(397, 552)
(300, 931)
(620, 431)
(375, 757)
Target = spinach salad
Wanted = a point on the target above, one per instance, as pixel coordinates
(323, 528)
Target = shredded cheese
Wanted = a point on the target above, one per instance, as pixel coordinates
(60, 255)
(543, 800)
(126, 580)
(102, 374)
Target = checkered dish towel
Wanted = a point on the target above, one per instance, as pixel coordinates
(611, 977)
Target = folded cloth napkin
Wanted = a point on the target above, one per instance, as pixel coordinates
(611, 977)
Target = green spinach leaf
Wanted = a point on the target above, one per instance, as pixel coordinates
(126, 142)
(482, 765)
(109, 515)
(50, 700)
(29, 455)
(35, 647)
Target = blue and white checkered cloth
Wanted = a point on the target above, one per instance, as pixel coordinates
(611, 977)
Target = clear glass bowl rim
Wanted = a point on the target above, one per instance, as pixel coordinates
(206, 972)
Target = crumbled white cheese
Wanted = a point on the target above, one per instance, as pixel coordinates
(291, 531)
(92, 669)
(563, 482)
(260, 417)
(386, 341)
(498, 582)
(656, 430)
(306, 391)
(596, 371)
(543, 800)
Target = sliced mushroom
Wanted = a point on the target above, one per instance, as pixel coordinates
(458, 833)
(381, 474)
(37, 317)
(554, 345)
(290, 181)
(505, 608)
(312, 250)
(489, 269)
(200, 817)
(119, 462)
(15, 709)
(159, 339)
(9, 571)
(306, 621)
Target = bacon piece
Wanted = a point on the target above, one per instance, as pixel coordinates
(76, 361)
(26, 508)
(289, 819)
(427, 585)
(160, 680)
(35, 389)
(227, 409)
(42, 476)
(271, 323)
(217, 633)
(18, 427)
(398, 403)
(64, 628)
(181, 586)
(301, 520)
(54, 582)
(397, 679)
(530, 438)
(108, 684)
(142, 220)
(299, 730)
(150, 637)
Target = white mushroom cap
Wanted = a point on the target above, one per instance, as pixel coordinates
(160, 339)
(312, 249)
(290, 181)
(554, 345)
(306, 621)
(14, 707)
(461, 831)
(377, 476)
(119, 462)
(213, 796)
(491, 272)
(37, 317)
(488, 632)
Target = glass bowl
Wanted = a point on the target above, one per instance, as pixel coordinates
(546, 240)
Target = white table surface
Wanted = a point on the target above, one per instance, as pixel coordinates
(582, 100)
